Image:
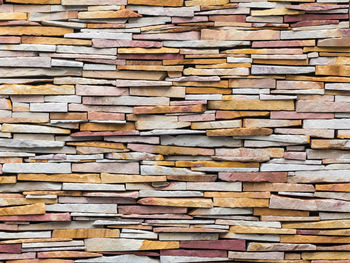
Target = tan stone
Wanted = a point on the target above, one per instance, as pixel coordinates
(240, 202)
(275, 12)
(34, 209)
(253, 123)
(55, 41)
(333, 70)
(66, 178)
(279, 212)
(47, 89)
(313, 239)
(107, 127)
(85, 233)
(169, 109)
(8, 179)
(233, 34)
(240, 114)
(328, 224)
(274, 187)
(206, 2)
(23, 128)
(180, 202)
(122, 13)
(251, 105)
(261, 230)
(119, 178)
(150, 68)
(239, 132)
(108, 145)
(34, 30)
(325, 255)
(333, 187)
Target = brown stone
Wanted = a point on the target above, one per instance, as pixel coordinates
(239, 132)
(273, 177)
(180, 202)
(85, 233)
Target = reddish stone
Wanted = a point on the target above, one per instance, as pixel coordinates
(315, 7)
(307, 232)
(314, 23)
(272, 177)
(195, 253)
(103, 133)
(105, 43)
(308, 17)
(46, 217)
(228, 18)
(151, 56)
(288, 115)
(67, 254)
(138, 209)
(13, 248)
(284, 43)
(238, 244)
(139, 253)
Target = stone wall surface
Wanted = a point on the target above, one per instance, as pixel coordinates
(174, 131)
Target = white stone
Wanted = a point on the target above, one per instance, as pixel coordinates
(163, 170)
(265, 69)
(29, 47)
(215, 186)
(119, 259)
(92, 187)
(155, 193)
(48, 107)
(91, 208)
(66, 63)
(199, 141)
(50, 168)
(86, 50)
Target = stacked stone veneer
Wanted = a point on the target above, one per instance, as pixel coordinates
(174, 131)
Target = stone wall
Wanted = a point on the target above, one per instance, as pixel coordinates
(174, 131)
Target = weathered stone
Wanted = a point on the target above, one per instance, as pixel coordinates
(273, 177)
(181, 202)
(239, 132)
(110, 244)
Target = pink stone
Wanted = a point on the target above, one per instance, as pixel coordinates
(5, 104)
(35, 218)
(89, 90)
(105, 43)
(238, 244)
(8, 227)
(127, 168)
(192, 35)
(194, 19)
(10, 40)
(138, 209)
(27, 98)
(296, 115)
(325, 106)
(7, 53)
(94, 115)
(13, 248)
(308, 17)
(5, 256)
(19, 23)
(315, 7)
(273, 177)
(194, 253)
(111, 194)
(142, 147)
(103, 61)
(314, 23)
(295, 155)
(139, 253)
(228, 18)
(151, 56)
(159, 216)
(198, 117)
(284, 43)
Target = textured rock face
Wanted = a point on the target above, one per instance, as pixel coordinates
(163, 131)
